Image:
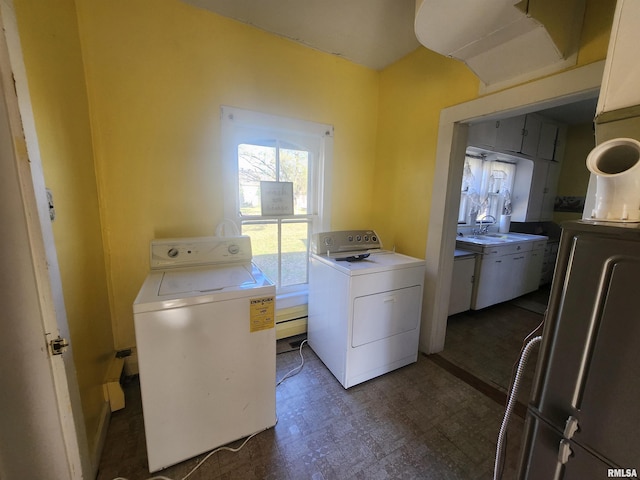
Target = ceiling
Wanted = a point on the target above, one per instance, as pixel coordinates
(573, 113)
(373, 33)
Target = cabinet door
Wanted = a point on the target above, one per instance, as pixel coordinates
(533, 271)
(550, 190)
(536, 192)
(490, 282)
(547, 142)
(461, 285)
(531, 135)
(516, 271)
(483, 134)
(509, 135)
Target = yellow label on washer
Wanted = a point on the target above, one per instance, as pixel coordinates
(262, 313)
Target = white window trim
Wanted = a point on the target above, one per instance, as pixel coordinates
(234, 123)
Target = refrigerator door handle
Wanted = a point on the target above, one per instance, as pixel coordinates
(594, 326)
(564, 453)
(571, 427)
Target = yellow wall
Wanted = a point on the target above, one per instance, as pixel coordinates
(412, 93)
(157, 73)
(51, 49)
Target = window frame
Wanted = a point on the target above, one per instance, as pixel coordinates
(242, 126)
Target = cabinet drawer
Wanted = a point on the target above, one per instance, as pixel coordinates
(508, 249)
(538, 244)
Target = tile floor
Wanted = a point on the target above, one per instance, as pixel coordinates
(418, 422)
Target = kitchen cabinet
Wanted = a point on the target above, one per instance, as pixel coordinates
(549, 262)
(495, 277)
(464, 265)
(534, 190)
(532, 135)
(498, 135)
(510, 134)
(500, 278)
(505, 270)
(533, 268)
(540, 137)
(549, 141)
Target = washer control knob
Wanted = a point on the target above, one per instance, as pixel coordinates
(173, 252)
(233, 249)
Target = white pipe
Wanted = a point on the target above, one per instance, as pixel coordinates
(616, 164)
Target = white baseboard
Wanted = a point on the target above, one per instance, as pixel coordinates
(100, 437)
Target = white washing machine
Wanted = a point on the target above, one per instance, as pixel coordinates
(364, 305)
(205, 335)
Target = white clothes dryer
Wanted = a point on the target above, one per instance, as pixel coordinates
(364, 305)
(205, 335)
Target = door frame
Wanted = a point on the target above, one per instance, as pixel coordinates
(566, 87)
(44, 411)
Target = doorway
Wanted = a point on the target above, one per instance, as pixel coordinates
(565, 88)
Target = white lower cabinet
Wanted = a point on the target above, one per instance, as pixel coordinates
(462, 282)
(533, 271)
(507, 271)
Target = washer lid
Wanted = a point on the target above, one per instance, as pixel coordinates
(204, 279)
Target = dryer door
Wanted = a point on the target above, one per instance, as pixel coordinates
(383, 315)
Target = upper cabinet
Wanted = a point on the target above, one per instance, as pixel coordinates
(534, 190)
(538, 142)
(531, 135)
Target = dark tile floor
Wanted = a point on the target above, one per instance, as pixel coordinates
(487, 343)
(418, 422)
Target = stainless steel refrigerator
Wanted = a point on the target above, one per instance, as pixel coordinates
(583, 420)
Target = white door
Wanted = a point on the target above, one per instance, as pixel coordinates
(41, 428)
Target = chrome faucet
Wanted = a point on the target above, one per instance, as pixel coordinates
(484, 227)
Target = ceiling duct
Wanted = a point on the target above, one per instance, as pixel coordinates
(502, 40)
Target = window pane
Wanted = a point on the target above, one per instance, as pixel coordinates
(264, 247)
(294, 167)
(255, 163)
(295, 241)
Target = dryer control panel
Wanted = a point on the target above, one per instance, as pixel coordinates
(345, 241)
(184, 252)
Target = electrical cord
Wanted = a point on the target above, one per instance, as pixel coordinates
(289, 374)
(296, 370)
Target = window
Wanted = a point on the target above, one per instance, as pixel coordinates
(265, 148)
(487, 183)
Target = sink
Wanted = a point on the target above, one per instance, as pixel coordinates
(483, 239)
(497, 235)
(508, 236)
(497, 238)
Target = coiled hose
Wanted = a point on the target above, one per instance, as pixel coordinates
(513, 396)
